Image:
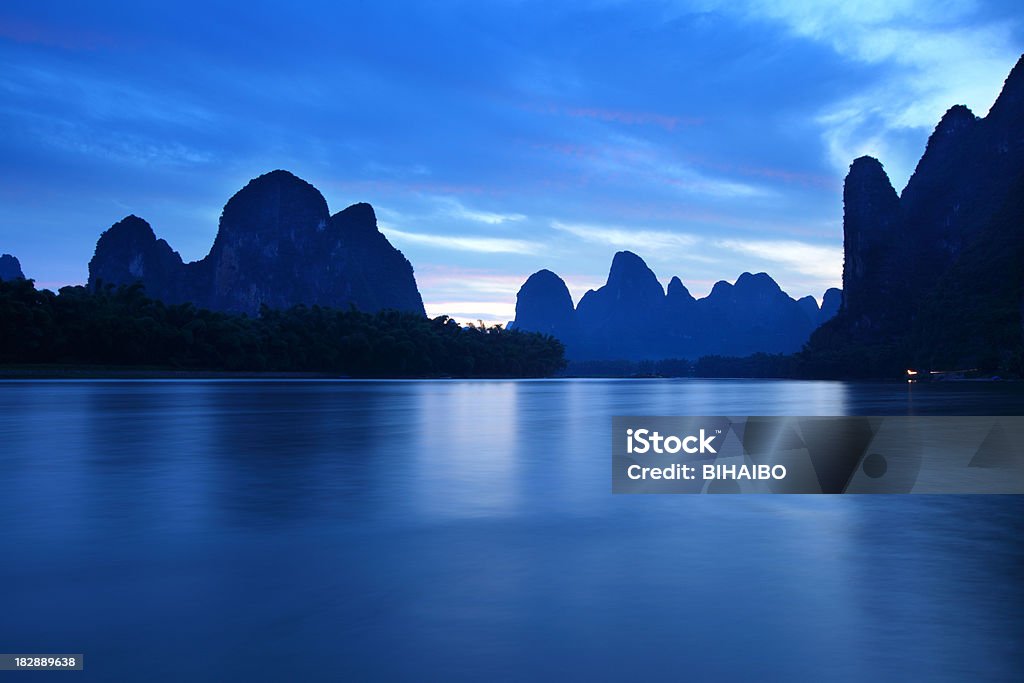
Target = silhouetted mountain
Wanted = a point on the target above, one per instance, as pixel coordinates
(632, 318)
(544, 305)
(874, 270)
(809, 305)
(754, 315)
(129, 251)
(683, 336)
(10, 268)
(933, 277)
(277, 245)
(831, 302)
(623, 319)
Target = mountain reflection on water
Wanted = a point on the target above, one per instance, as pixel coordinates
(212, 530)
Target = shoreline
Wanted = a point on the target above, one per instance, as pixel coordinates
(111, 372)
(121, 372)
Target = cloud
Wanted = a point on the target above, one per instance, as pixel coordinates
(74, 94)
(936, 54)
(469, 294)
(654, 245)
(634, 160)
(817, 261)
(621, 116)
(466, 281)
(484, 245)
(652, 240)
(118, 147)
(433, 208)
(457, 209)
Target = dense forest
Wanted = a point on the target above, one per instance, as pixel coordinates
(122, 327)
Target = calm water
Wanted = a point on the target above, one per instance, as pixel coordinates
(216, 530)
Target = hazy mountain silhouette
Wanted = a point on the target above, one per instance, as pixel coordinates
(543, 305)
(632, 317)
(934, 275)
(623, 319)
(10, 268)
(831, 302)
(277, 245)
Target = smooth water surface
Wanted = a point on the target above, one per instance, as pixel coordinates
(450, 530)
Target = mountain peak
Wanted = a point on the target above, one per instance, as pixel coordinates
(867, 166)
(545, 278)
(758, 281)
(10, 268)
(720, 288)
(278, 180)
(627, 260)
(274, 205)
(128, 251)
(630, 270)
(831, 302)
(943, 152)
(543, 304)
(357, 219)
(1009, 106)
(677, 289)
(129, 230)
(868, 187)
(957, 116)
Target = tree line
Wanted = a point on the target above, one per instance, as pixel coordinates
(121, 326)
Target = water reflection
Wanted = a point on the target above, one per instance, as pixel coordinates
(465, 530)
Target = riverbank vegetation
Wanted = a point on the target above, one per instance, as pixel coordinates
(121, 327)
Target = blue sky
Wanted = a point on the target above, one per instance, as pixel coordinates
(493, 138)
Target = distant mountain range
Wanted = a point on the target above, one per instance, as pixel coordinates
(934, 277)
(633, 318)
(277, 245)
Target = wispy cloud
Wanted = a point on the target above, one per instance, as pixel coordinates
(652, 240)
(636, 160)
(937, 54)
(432, 207)
(620, 116)
(119, 147)
(815, 260)
(457, 209)
(469, 281)
(484, 245)
(651, 245)
(79, 94)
